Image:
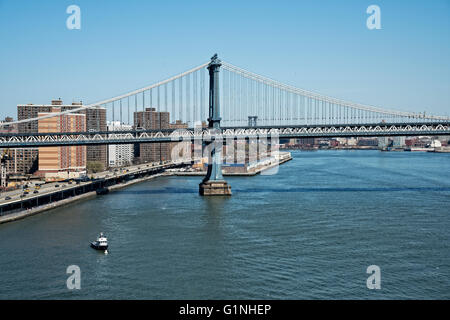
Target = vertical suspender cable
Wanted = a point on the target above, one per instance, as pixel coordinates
(173, 102)
(188, 99)
(180, 99)
(202, 94)
(120, 111)
(194, 119)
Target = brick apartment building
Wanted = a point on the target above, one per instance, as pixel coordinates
(150, 119)
(27, 159)
(66, 161)
(96, 121)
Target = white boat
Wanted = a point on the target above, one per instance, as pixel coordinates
(420, 149)
(101, 243)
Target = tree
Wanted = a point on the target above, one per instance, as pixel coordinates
(95, 166)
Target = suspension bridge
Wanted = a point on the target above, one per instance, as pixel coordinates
(232, 103)
(250, 104)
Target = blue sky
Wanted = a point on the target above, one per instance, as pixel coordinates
(321, 45)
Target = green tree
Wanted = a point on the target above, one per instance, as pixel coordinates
(95, 166)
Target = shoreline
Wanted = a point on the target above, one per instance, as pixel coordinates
(47, 207)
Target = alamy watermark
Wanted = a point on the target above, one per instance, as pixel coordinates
(255, 150)
(74, 20)
(74, 280)
(374, 20)
(374, 280)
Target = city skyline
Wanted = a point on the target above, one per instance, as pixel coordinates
(402, 66)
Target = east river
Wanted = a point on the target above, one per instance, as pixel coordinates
(307, 232)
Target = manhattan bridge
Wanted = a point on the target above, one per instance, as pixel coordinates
(234, 103)
(247, 104)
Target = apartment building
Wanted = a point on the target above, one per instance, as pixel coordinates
(119, 155)
(150, 119)
(95, 119)
(65, 161)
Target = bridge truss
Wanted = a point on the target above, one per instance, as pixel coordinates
(207, 134)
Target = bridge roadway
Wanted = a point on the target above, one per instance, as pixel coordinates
(16, 200)
(18, 140)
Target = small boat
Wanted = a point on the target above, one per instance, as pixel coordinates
(101, 243)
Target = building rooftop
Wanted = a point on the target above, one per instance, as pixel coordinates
(58, 103)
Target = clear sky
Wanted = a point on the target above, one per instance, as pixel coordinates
(321, 45)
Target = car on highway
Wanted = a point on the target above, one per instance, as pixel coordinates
(8, 198)
(35, 191)
(56, 185)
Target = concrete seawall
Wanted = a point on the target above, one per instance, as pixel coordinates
(29, 212)
(32, 211)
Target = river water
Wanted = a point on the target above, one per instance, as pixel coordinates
(308, 232)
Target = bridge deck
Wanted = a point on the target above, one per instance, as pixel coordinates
(18, 140)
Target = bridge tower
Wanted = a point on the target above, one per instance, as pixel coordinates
(214, 184)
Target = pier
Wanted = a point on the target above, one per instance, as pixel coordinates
(57, 194)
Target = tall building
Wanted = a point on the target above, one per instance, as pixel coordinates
(95, 121)
(119, 155)
(66, 161)
(9, 155)
(150, 119)
(27, 158)
(19, 161)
